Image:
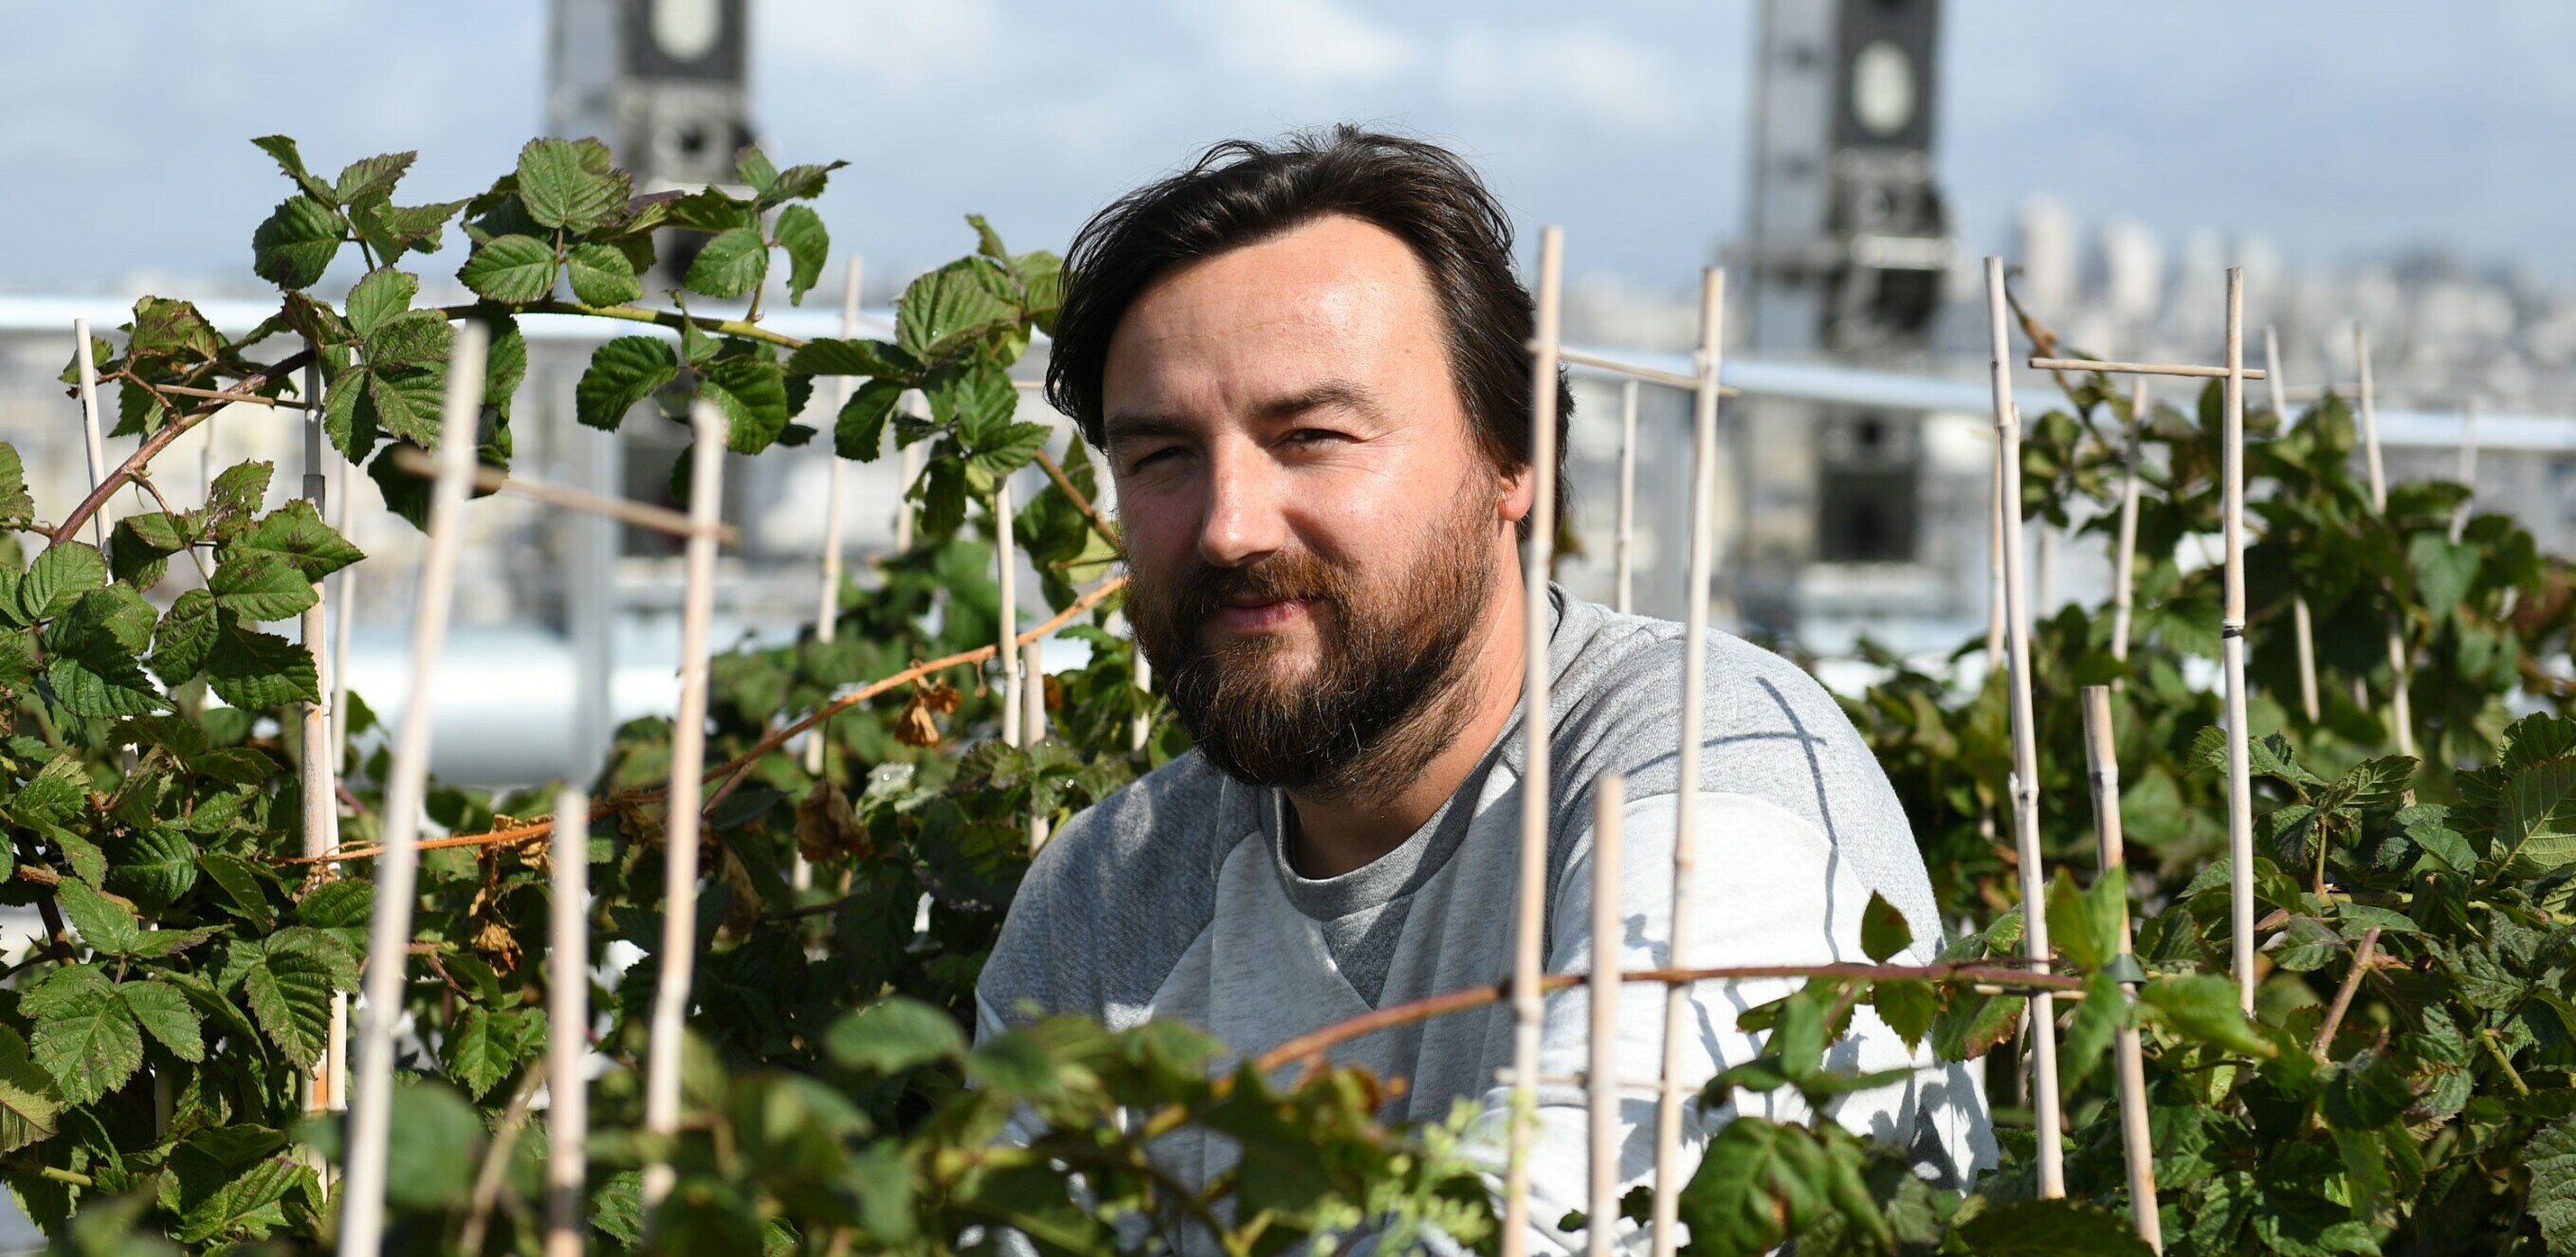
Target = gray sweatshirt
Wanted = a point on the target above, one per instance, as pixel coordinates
(1174, 898)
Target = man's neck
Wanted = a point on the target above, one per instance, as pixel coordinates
(1332, 834)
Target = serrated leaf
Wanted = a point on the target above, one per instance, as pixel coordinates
(2536, 824)
(963, 301)
(58, 578)
(371, 176)
(2552, 1158)
(432, 1165)
(893, 1035)
(2202, 1007)
(85, 1037)
(258, 587)
(283, 149)
(103, 690)
(730, 265)
(485, 1048)
(979, 401)
(751, 390)
(30, 1101)
(825, 355)
(16, 506)
(251, 1205)
(602, 275)
(296, 244)
(338, 905)
(379, 296)
(255, 671)
(185, 638)
(102, 923)
(560, 188)
(512, 269)
(622, 373)
(241, 886)
(1907, 1006)
(1758, 1184)
(2052, 1228)
(56, 793)
(800, 231)
(1883, 931)
(859, 432)
(295, 535)
(164, 1011)
(289, 992)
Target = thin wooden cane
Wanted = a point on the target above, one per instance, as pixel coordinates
(1006, 562)
(568, 1026)
(2302, 621)
(1674, 1087)
(1995, 563)
(1623, 547)
(2400, 704)
(344, 584)
(1141, 728)
(1033, 723)
(1601, 1072)
(362, 1195)
(2231, 649)
(1529, 917)
(2025, 775)
(827, 609)
(99, 522)
(679, 949)
(318, 761)
(2124, 555)
(2468, 472)
(2128, 1061)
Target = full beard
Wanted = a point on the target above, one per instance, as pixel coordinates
(1384, 694)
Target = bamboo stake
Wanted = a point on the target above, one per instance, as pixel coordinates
(1006, 562)
(679, 950)
(2302, 622)
(568, 1026)
(903, 498)
(1601, 1075)
(2191, 369)
(362, 1209)
(2124, 557)
(2468, 472)
(827, 612)
(1033, 723)
(2025, 776)
(2046, 561)
(2400, 705)
(1623, 549)
(99, 522)
(344, 585)
(2127, 1059)
(318, 764)
(1141, 729)
(1528, 1004)
(1995, 565)
(1673, 1082)
(2231, 651)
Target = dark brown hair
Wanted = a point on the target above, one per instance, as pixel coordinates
(1241, 192)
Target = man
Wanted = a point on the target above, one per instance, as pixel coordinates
(1305, 366)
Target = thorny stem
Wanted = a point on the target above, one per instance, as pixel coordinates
(2362, 954)
(632, 314)
(544, 825)
(159, 441)
(1108, 532)
(143, 481)
(2496, 1051)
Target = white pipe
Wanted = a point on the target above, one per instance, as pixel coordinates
(1528, 1007)
(679, 949)
(362, 1209)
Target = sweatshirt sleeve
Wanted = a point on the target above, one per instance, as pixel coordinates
(1770, 890)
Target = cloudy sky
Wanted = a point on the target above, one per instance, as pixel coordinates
(2336, 128)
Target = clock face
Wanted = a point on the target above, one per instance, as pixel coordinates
(687, 30)
(1882, 88)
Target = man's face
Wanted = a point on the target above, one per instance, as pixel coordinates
(1311, 530)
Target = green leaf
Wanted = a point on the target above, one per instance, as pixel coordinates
(186, 637)
(297, 243)
(1013, 1064)
(800, 231)
(561, 189)
(29, 1098)
(622, 373)
(164, 1011)
(102, 923)
(602, 275)
(1907, 1006)
(338, 905)
(859, 432)
(980, 401)
(58, 578)
(485, 1048)
(1970, 1025)
(511, 269)
(251, 1204)
(255, 671)
(2367, 1091)
(234, 876)
(2551, 1156)
(1883, 931)
(730, 265)
(433, 1164)
(415, 338)
(893, 1035)
(1758, 1184)
(988, 242)
(58, 792)
(103, 688)
(295, 535)
(751, 390)
(371, 176)
(16, 506)
(379, 296)
(292, 162)
(2535, 827)
(752, 168)
(290, 993)
(85, 1036)
(2089, 1032)
(2202, 1007)
(258, 587)
(825, 355)
(964, 301)
(2052, 1228)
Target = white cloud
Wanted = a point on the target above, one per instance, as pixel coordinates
(899, 44)
(1303, 43)
(1586, 76)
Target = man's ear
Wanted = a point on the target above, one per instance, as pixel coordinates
(1520, 494)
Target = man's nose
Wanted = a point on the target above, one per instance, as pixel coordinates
(1244, 519)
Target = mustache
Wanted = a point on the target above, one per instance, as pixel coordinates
(1205, 588)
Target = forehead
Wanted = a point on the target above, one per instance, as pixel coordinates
(1334, 295)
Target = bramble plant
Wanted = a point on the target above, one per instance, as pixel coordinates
(153, 1047)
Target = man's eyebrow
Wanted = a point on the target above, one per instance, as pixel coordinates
(1332, 394)
(1143, 425)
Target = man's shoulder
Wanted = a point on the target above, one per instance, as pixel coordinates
(1619, 691)
(1115, 898)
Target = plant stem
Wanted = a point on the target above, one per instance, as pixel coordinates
(1107, 531)
(159, 441)
(2362, 954)
(2496, 1052)
(632, 314)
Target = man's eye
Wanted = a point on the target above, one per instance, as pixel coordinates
(1151, 457)
(1313, 436)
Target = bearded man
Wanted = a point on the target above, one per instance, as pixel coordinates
(1304, 364)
